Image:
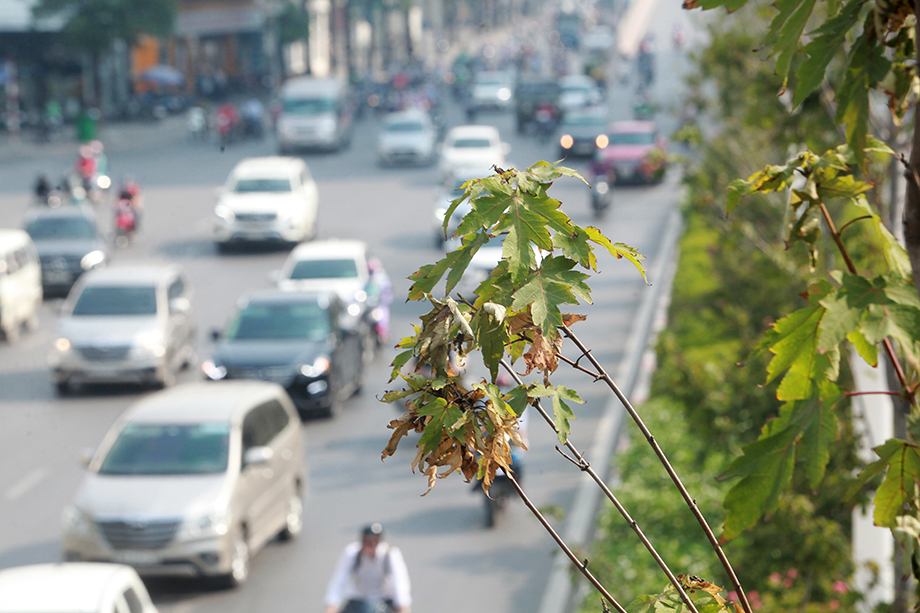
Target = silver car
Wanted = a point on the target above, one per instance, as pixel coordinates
(192, 481)
(125, 324)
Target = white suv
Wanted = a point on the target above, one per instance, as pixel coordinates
(267, 199)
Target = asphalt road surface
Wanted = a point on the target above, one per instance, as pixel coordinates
(455, 563)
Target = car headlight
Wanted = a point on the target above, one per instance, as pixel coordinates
(602, 141)
(75, 521)
(602, 187)
(103, 182)
(326, 125)
(62, 345)
(566, 141)
(504, 94)
(214, 523)
(149, 344)
(213, 371)
(92, 259)
(319, 366)
(224, 213)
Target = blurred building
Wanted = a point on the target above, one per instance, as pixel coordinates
(224, 45)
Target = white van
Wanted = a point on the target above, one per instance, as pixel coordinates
(315, 114)
(20, 283)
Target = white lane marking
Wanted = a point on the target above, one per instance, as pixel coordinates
(26, 483)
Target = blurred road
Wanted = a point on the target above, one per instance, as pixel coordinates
(455, 563)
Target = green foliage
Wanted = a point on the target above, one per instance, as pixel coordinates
(516, 314)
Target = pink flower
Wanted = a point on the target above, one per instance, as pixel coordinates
(834, 604)
(787, 582)
(792, 573)
(841, 587)
(775, 578)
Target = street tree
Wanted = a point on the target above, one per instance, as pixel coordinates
(94, 25)
(854, 57)
(515, 323)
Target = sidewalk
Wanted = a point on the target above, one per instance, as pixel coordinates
(115, 135)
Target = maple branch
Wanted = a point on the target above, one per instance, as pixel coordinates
(889, 349)
(581, 566)
(714, 542)
(852, 221)
(578, 366)
(882, 392)
(585, 466)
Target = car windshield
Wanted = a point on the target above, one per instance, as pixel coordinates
(280, 321)
(344, 268)
(51, 228)
(169, 449)
(117, 300)
(405, 126)
(308, 106)
(583, 121)
(471, 143)
(270, 184)
(632, 138)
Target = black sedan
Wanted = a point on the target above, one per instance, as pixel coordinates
(68, 242)
(307, 342)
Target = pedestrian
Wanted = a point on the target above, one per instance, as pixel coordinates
(370, 577)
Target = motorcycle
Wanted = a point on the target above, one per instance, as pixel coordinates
(197, 122)
(502, 489)
(544, 123)
(602, 194)
(125, 222)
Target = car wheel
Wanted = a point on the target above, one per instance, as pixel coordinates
(223, 247)
(168, 379)
(11, 333)
(293, 519)
(239, 562)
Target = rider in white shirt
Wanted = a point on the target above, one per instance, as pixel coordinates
(369, 572)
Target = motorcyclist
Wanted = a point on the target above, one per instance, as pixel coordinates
(369, 572)
(86, 166)
(42, 189)
(226, 118)
(130, 198)
(253, 112)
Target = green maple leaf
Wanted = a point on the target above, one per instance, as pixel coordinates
(618, 250)
(889, 304)
(491, 334)
(552, 284)
(577, 247)
(895, 254)
(562, 413)
(443, 418)
(824, 46)
(786, 30)
(806, 428)
(898, 492)
(793, 341)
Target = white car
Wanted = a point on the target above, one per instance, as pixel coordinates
(125, 324)
(407, 137)
(492, 90)
(578, 92)
(267, 199)
(348, 268)
(472, 148)
(446, 194)
(87, 587)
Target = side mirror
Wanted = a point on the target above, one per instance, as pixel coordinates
(179, 305)
(255, 456)
(215, 334)
(85, 456)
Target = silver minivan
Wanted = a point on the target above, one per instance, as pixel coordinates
(192, 481)
(125, 324)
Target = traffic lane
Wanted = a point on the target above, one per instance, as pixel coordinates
(441, 534)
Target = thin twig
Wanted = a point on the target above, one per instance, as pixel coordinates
(714, 542)
(581, 566)
(586, 467)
